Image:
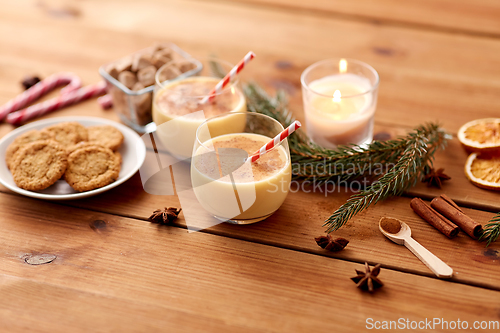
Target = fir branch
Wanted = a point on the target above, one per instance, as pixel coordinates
(420, 147)
(491, 231)
(407, 159)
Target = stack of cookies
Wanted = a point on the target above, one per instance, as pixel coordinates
(86, 157)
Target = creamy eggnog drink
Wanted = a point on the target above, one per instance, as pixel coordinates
(265, 182)
(229, 186)
(182, 100)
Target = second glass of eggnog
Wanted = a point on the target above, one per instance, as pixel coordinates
(226, 183)
(178, 107)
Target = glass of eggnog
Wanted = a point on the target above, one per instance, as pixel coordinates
(178, 106)
(226, 183)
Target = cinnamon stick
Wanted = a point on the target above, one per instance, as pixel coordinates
(435, 219)
(448, 208)
(451, 202)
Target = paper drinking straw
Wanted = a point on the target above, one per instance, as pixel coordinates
(228, 78)
(277, 139)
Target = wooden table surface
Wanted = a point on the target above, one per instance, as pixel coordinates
(438, 60)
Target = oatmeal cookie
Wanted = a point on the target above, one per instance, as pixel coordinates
(39, 164)
(106, 136)
(79, 145)
(92, 167)
(86, 144)
(119, 157)
(22, 140)
(68, 133)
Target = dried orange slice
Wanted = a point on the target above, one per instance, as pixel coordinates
(481, 135)
(483, 171)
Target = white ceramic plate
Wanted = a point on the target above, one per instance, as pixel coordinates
(133, 152)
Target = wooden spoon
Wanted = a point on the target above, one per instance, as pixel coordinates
(400, 233)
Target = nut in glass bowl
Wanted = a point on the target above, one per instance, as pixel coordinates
(131, 81)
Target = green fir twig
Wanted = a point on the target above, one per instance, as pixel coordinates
(419, 150)
(406, 160)
(491, 231)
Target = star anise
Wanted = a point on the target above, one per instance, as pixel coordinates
(165, 216)
(435, 178)
(30, 81)
(368, 280)
(330, 244)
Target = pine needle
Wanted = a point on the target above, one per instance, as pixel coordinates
(491, 231)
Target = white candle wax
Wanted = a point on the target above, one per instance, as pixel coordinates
(339, 110)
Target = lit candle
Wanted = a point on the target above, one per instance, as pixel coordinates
(340, 106)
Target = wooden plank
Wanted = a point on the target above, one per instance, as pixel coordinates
(36, 306)
(219, 280)
(426, 75)
(300, 219)
(462, 16)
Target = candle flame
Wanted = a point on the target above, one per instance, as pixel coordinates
(337, 96)
(342, 66)
(233, 91)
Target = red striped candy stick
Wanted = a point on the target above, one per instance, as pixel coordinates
(56, 103)
(41, 88)
(277, 139)
(106, 101)
(228, 78)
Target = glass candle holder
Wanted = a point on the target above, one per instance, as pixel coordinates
(340, 98)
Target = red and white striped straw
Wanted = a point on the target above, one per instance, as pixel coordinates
(38, 90)
(277, 139)
(56, 103)
(229, 77)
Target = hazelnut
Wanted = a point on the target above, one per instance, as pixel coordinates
(186, 66)
(138, 86)
(146, 76)
(124, 64)
(113, 72)
(140, 61)
(128, 79)
(169, 73)
(160, 60)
